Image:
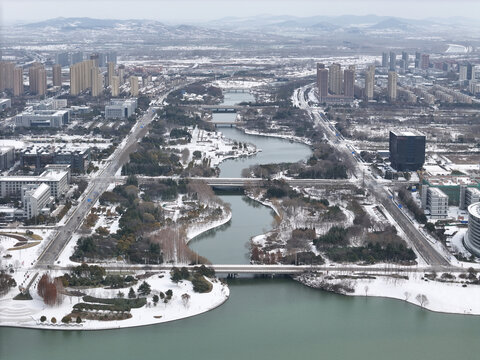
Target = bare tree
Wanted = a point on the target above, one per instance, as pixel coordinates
(366, 290)
(185, 299)
(407, 295)
(422, 300)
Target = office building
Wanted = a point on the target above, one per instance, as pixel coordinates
(393, 61)
(43, 118)
(115, 87)
(384, 59)
(472, 238)
(369, 82)
(392, 85)
(57, 75)
(434, 202)
(40, 157)
(133, 85)
(407, 150)
(405, 56)
(36, 200)
(62, 59)
(37, 79)
(348, 83)
(417, 59)
(7, 157)
(11, 186)
(81, 76)
(18, 88)
(425, 62)
(322, 81)
(120, 109)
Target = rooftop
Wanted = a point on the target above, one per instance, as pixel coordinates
(474, 209)
(412, 132)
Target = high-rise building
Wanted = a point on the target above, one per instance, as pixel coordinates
(407, 150)
(335, 79)
(121, 74)
(322, 81)
(96, 58)
(57, 75)
(18, 81)
(115, 87)
(369, 82)
(425, 63)
(384, 59)
(405, 56)
(392, 85)
(349, 82)
(110, 72)
(6, 75)
(417, 59)
(133, 85)
(80, 76)
(112, 57)
(37, 77)
(393, 61)
(62, 59)
(97, 81)
(77, 57)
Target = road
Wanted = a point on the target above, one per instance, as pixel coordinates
(282, 269)
(374, 187)
(96, 187)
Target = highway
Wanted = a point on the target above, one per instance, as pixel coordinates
(417, 239)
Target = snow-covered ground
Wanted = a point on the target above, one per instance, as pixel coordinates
(440, 296)
(28, 313)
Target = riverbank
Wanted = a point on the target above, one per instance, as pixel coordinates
(292, 138)
(27, 314)
(437, 296)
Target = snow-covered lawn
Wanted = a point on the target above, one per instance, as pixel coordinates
(28, 313)
(440, 296)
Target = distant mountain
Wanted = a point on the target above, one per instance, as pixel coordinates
(392, 24)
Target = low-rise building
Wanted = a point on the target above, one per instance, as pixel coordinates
(43, 118)
(40, 157)
(11, 186)
(7, 157)
(120, 109)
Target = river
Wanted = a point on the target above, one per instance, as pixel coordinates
(265, 318)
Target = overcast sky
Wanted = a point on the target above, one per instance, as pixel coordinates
(198, 10)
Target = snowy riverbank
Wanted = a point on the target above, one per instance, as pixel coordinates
(27, 314)
(446, 297)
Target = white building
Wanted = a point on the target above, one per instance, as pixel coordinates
(120, 109)
(36, 200)
(434, 201)
(43, 118)
(57, 180)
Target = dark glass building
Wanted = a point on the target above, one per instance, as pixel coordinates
(407, 150)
